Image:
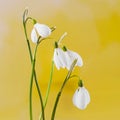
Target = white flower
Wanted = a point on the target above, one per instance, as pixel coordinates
(40, 30)
(59, 58)
(34, 36)
(81, 98)
(71, 56)
(64, 57)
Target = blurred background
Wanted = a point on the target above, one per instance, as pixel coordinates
(93, 28)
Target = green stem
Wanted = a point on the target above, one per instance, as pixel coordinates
(28, 44)
(49, 85)
(30, 93)
(61, 89)
(55, 105)
(48, 88)
(34, 73)
(31, 82)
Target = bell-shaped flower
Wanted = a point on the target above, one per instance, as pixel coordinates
(41, 30)
(71, 56)
(81, 98)
(59, 57)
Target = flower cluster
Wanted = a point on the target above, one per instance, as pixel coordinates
(62, 58)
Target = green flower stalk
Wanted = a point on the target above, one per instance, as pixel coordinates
(38, 34)
(49, 85)
(62, 58)
(48, 88)
(33, 70)
(61, 89)
(31, 82)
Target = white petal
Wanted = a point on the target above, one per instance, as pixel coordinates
(68, 60)
(34, 37)
(87, 96)
(81, 98)
(75, 97)
(62, 57)
(79, 58)
(56, 59)
(73, 55)
(43, 30)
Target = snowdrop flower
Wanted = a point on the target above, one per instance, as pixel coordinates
(59, 57)
(40, 30)
(81, 97)
(71, 56)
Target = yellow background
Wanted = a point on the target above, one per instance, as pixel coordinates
(93, 28)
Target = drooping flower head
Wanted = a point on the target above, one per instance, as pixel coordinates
(81, 97)
(39, 30)
(65, 57)
(59, 57)
(71, 56)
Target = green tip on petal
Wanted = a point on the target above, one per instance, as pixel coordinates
(80, 83)
(56, 44)
(64, 48)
